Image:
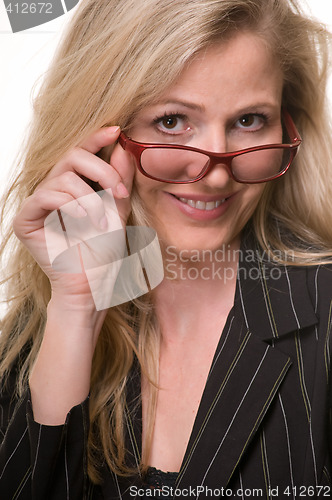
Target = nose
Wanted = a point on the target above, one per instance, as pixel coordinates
(218, 175)
(214, 138)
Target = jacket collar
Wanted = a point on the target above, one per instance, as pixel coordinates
(274, 299)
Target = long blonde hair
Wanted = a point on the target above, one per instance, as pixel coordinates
(116, 57)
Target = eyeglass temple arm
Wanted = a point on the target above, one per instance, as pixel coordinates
(294, 134)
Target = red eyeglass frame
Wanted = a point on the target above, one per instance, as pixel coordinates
(136, 149)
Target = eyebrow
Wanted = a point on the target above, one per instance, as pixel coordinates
(186, 104)
(200, 107)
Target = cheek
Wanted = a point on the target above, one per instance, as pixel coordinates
(145, 187)
(141, 185)
(257, 192)
(253, 196)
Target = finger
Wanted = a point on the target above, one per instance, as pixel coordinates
(124, 164)
(69, 182)
(37, 206)
(99, 139)
(85, 164)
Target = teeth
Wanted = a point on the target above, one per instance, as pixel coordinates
(210, 205)
(202, 205)
(191, 203)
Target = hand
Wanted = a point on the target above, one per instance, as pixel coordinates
(64, 187)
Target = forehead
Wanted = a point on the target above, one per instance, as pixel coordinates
(242, 68)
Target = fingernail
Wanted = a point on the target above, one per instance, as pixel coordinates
(103, 223)
(122, 191)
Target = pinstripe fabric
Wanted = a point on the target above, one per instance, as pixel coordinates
(264, 421)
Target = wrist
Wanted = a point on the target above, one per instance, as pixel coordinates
(75, 315)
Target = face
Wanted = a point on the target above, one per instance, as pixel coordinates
(228, 98)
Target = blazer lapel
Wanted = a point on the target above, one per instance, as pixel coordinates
(243, 381)
(270, 302)
(274, 299)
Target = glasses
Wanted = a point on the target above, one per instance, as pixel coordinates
(178, 164)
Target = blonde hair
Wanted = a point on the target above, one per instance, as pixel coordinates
(116, 57)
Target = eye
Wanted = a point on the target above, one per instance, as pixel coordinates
(251, 121)
(174, 123)
(170, 122)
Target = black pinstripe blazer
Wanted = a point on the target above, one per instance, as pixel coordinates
(263, 428)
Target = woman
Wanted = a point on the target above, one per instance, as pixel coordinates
(217, 381)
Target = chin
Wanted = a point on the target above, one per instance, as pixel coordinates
(200, 240)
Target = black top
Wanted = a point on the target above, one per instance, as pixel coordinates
(156, 479)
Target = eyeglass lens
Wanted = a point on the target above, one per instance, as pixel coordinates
(185, 165)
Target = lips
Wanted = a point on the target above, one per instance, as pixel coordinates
(201, 207)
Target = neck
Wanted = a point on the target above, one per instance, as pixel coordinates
(197, 288)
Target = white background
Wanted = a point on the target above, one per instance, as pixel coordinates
(25, 56)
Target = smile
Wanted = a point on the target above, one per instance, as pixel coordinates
(202, 205)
